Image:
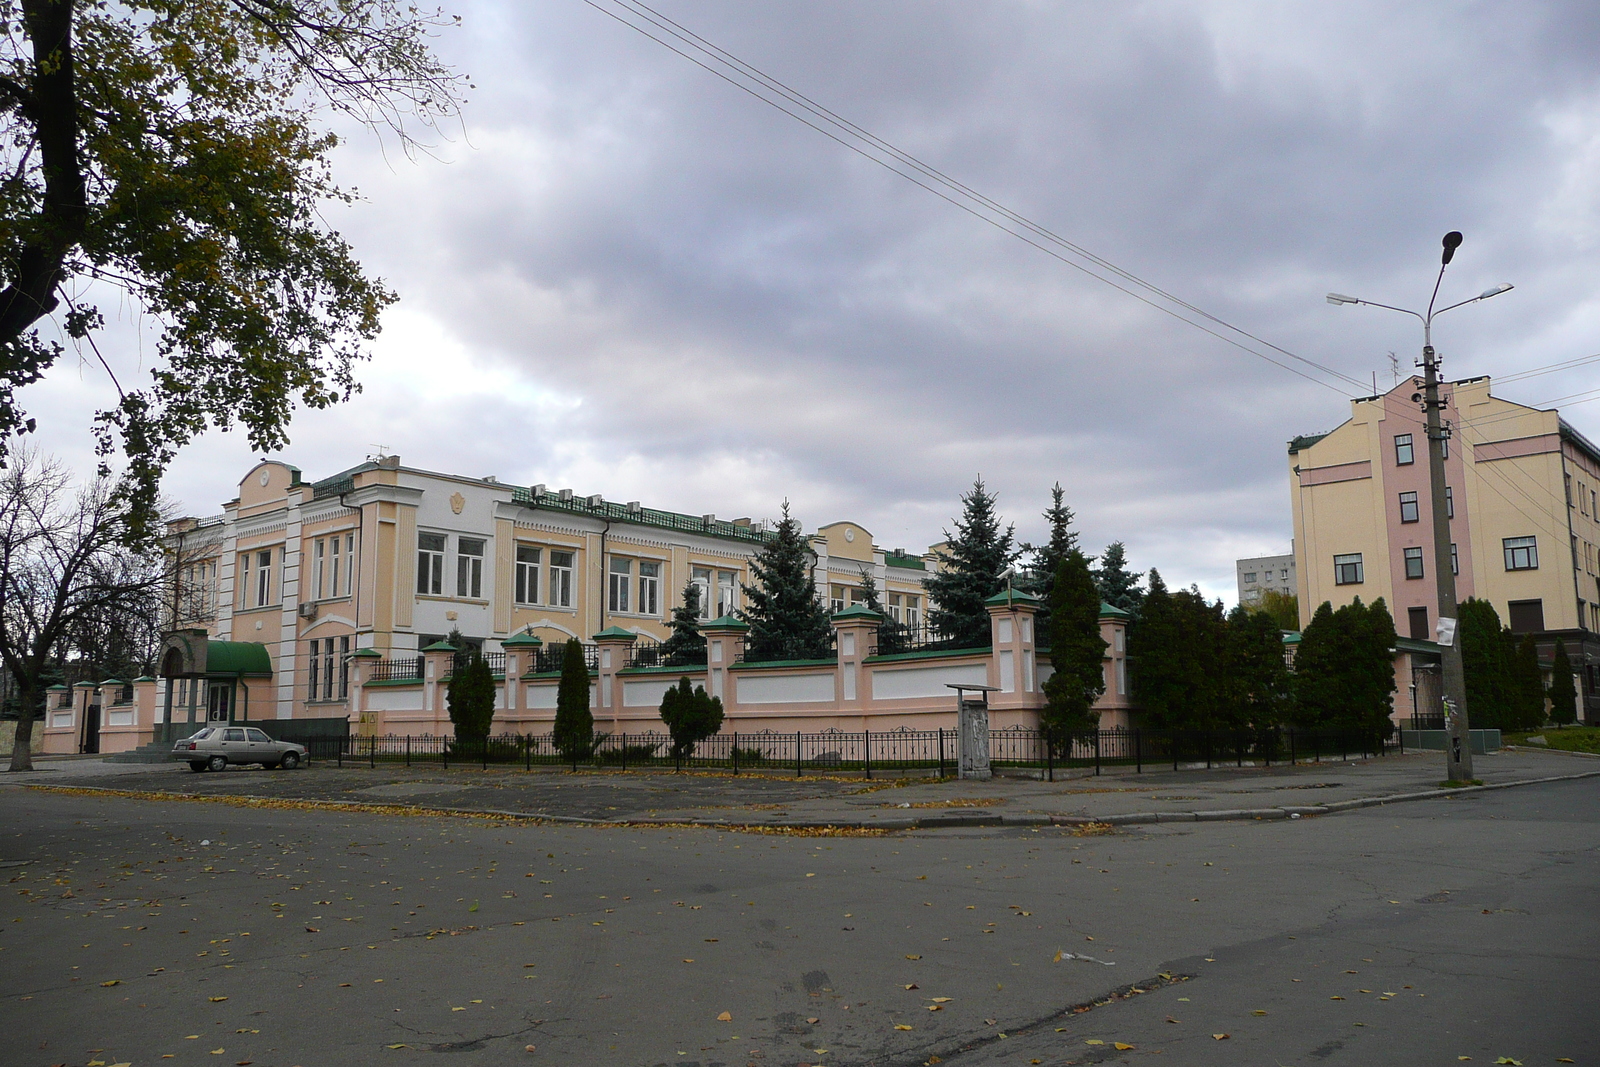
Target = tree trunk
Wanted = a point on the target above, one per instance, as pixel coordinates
(22, 747)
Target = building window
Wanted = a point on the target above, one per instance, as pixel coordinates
(727, 593)
(1449, 503)
(1413, 562)
(1525, 616)
(1347, 569)
(1403, 452)
(896, 608)
(649, 588)
(1249, 577)
(1522, 553)
(1444, 445)
(313, 671)
(469, 567)
(700, 578)
(430, 564)
(318, 552)
(1283, 575)
(1418, 620)
(341, 571)
(913, 610)
(528, 574)
(344, 667)
(1408, 507)
(835, 599)
(322, 668)
(1455, 560)
(263, 578)
(244, 580)
(621, 571)
(561, 579)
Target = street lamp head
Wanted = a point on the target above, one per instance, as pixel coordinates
(1340, 298)
(1496, 290)
(1452, 241)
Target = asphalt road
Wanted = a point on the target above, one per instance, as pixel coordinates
(135, 930)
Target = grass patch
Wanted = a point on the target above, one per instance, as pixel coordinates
(1562, 738)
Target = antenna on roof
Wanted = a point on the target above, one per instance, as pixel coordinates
(382, 453)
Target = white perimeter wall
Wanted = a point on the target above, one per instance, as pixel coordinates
(786, 689)
(907, 682)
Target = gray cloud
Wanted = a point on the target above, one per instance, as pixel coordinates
(637, 280)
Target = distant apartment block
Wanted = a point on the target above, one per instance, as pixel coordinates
(1261, 573)
(1523, 499)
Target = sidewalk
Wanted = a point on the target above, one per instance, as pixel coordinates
(652, 798)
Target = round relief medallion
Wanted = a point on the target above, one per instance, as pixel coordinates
(849, 534)
(264, 477)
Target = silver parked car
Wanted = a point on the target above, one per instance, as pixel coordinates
(214, 747)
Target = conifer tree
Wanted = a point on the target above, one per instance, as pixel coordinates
(1375, 636)
(1046, 559)
(786, 619)
(1486, 654)
(573, 731)
(1528, 685)
(1159, 685)
(972, 565)
(691, 716)
(1563, 693)
(1077, 652)
(1257, 665)
(1118, 586)
(470, 697)
(1317, 662)
(891, 634)
(685, 645)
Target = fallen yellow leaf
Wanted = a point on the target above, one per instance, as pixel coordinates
(940, 1000)
(913, 985)
(216, 1000)
(1094, 1041)
(812, 1020)
(217, 1051)
(913, 957)
(725, 1017)
(114, 981)
(1335, 998)
(1258, 1011)
(1220, 1037)
(397, 1046)
(901, 1026)
(1120, 1047)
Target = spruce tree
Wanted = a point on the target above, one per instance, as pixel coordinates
(891, 634)
(1077, 652)
(1257, 665)
(470, 697)
(1486, 654)
(691, 716)
(971, 566)
(1317, 662)
(685, 645)
(1528, 685)
(1118, 586)
(1154, 658)
(1046, 559)
(1374, 633)
(786, 619)
(1563, 693)
(573, 732)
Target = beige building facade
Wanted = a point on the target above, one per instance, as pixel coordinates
(1524, 503)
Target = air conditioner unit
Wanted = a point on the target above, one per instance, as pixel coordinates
(594, 501)
(308, 610)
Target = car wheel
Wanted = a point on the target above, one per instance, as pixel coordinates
(290, 761)
(217, 763)
(197, 765)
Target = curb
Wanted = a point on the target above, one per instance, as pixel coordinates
(894, 823)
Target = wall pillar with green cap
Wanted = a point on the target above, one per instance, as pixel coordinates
(614, 642)
(437, 661)
(855, 631)
(725, 638)
(1013, 664)
(521, 650)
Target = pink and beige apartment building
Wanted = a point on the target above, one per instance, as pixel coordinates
(1523, 499)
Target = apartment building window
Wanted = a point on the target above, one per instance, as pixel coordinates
(199, 590)
(1403, 452)
(896, 607)
(561, 579)
(621, 572)
(1566, 480)
(1283, 575)
(318, 552)
(469, 567)
(1525, 616)
(1522, 553)
(835, 599)
(314, 672)
(528, 574)
(1413, 562)
(263, 578)
(1417, 620)
(1347, 569)
(913, 610)
(649, 588)
(1455, 560)
(1449, 503)
(1249, 577)
(700, 578)
(430, 564)
(243, 583)
(341, 565)
(1408, 507)
(344, 667)
(1594, 505)
(727, 593)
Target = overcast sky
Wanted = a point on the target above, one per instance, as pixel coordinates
(627, 277)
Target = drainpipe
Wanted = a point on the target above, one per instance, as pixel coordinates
(605, 575)
(355, 577)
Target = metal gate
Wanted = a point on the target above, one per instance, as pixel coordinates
(1427, 698)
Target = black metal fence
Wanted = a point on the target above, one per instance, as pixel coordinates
(867, 753)
(648, 653)
(397, 670)
(897, 637)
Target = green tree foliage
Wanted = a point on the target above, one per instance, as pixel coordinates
(691, 716)
(1563, 693)
(1045, 560)
(470, 696)
(1118, 586)
(1527, 685)
(1487, 654)
(891, 634)
(1344, 669)
(1284, 608)
(170, 151)
(1077, 651)
(685, 644)
(1178, 654)
(972, 565)
(786, 619)
(1256, 663)
(573, 731)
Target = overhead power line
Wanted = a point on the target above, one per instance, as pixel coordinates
(769, 90)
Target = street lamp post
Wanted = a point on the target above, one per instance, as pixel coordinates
(1458, 742)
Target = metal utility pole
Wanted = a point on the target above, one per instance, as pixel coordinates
(1458, 738)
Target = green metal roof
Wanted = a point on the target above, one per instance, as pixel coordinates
(238, 658)
(1113, 611)
(910, 563)
(522, 640)
(615, 633)
(667, 520)
(441, 646)
(1305, 440)
(366, 653)
(725, 622)
(858, 611)
(1013, 596)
